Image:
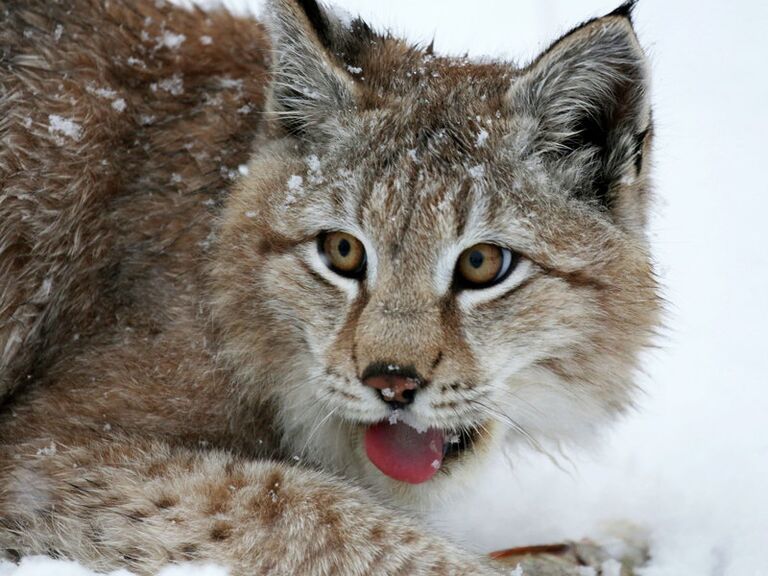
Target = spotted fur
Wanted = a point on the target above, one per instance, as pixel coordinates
(181, 370)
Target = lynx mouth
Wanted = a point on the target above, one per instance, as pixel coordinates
(414, 456)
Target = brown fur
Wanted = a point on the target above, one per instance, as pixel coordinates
(171, 358)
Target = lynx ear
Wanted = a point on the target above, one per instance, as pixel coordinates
(309, 86)
(588, 96)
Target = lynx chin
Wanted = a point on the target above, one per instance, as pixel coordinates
(267, 286)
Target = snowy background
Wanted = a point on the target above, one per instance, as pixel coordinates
(690, 468)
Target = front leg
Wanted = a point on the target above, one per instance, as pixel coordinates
(141, 505)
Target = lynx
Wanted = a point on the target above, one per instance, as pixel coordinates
(268, 291)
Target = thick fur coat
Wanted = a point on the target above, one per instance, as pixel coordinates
(183, 374)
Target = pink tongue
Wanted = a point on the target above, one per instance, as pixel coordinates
(404, 453)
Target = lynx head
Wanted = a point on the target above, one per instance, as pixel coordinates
(432, 256)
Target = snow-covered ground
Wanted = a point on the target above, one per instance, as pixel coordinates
(691, 466)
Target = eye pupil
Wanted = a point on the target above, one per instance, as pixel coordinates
(342, 253)
(484, 265)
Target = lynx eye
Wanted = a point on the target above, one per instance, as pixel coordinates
(342, 253)
(484, 265)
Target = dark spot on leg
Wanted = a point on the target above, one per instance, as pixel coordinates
(166, 501)
(220, 531)
(190, 552)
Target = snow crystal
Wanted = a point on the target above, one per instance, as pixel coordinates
(27, 122)
(47, 451)
(107, 427)
(57, 32)
(175, 178)
(518, 571)
(250, 214)
(482, 136)
(101, 92)
(243, 169)
(136, 62)
(246, 109)
(313, 162)
(477, 172)
(295, 183)
(65, 126)
(412, 155)
(206, 40)
(119, 105)
(388, 393)
(354, 69)
(394, 417)
(147, 119)
(174, 85)
(435, 464)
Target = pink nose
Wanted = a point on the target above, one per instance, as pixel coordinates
(393, 388)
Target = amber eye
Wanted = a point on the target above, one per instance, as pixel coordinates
(343, 253)
(484, 265)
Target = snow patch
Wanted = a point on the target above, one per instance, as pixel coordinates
(64, 126)
(477, 172)
(174, 85)
(44, 566)
(47, 451)
(295, 183)
(482, 137)
(170, 40)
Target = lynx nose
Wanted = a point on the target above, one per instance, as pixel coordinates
(397, 386)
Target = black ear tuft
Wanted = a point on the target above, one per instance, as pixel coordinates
(625, 10)
(316, 20)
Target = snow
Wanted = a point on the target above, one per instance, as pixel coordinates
(170, 40)
(44, 566)
(66, 126)
(482, 136)
(477, 172)
(690, 465)
(174, 85)
(119, 105)
(295, 183)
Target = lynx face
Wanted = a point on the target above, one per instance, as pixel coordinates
(431, 256)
